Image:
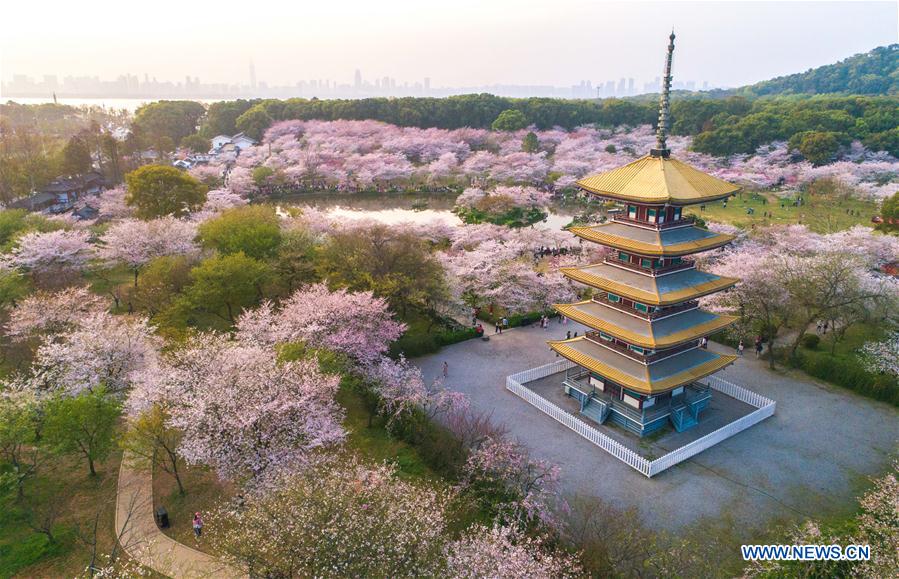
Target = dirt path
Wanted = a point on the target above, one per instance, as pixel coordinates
(142, 539)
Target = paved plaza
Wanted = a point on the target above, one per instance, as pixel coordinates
(810, 459)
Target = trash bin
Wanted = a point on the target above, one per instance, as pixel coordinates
(162, 518)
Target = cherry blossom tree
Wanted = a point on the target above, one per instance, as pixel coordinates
(882, 357)
(501, 551)
(528, 488)
(399, 385)
(47, 312)
(54, 251)
(100, 350)
(337, 518)
(134, 243)
(240, 410)
(356, 324)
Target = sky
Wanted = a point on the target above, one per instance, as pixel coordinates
(454, 42)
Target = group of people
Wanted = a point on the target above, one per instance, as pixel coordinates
(759, 346)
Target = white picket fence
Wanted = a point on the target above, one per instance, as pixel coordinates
(764, 408)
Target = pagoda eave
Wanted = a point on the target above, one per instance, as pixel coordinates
(649, 297)
(646, 339)
(640, 380)
(596, 234)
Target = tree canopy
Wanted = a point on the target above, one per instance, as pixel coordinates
(159, 190)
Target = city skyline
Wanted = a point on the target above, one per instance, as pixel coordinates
(466, 44)
(139, 86)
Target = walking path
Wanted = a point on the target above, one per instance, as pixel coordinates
(144, 542)
(812, 458)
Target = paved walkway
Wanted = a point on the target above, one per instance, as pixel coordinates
(144, 542)
(810, 459)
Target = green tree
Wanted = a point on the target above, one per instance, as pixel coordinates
(251, 229)
(150, 438)
(295, 264)
(159, 190)
(13, 287)
(254, 122)
(221, 118)
(510, 120)
(818, 147)
(393, 264)
(83, 424)
(226, 282)
(196, 143)
(172, 119)
(76, 157)
(530, 143)
(162, 281)
(19, 425)
(889, 212)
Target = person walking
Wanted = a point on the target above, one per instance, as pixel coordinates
(445, 369)
(758, 347)
(704, 343)
(568, 335)
(198, 525)
(496, 329)
(740, 348)
(505, 325)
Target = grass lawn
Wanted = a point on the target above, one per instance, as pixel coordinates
(62, 483)
(821, 213)
(374, 443)
(203, 491)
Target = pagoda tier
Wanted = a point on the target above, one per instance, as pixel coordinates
(654, 290)
(657, 179)
(641, 374)
(651, 241)
(654, 332)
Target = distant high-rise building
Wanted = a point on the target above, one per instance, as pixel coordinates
(427, 84)
(357, 81)
(630, 86)
(252, 75)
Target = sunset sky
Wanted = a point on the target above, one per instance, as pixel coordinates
(457, 43)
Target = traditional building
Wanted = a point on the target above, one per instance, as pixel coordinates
(641, 365)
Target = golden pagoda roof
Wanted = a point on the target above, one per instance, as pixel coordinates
(654, 378)
(660, 333)
(654, 242)
(662, 290)
(658, 180)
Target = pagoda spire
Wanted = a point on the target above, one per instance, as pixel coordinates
(661, 149)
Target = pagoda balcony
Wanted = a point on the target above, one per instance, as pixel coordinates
(669, 310)
(683, 221)
(684, 264)
(642, 358)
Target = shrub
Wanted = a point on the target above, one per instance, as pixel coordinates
(811, 341)
(848, 373)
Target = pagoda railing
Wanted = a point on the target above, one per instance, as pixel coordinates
(669, 310)
(644, 358)
(684, 264)
(622, 218)
(764, 407)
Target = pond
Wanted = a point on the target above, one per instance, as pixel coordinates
(402, 208)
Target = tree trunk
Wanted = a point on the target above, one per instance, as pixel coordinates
(90, 463)
(135, 277)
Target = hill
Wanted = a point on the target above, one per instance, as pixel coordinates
(872, 73)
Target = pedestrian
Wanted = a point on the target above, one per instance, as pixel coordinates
(825, 328)
(568, 335)
(758, 347)
(445, 369)
(575, 334)
(818, 327)
(704, 343)
(198, 524)
(505, 323)
(740, 348)
(496, 328)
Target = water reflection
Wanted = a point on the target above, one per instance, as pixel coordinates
(393, 209)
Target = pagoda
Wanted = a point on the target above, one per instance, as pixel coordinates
(642, 364)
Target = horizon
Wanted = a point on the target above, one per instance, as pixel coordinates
(773, 39)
